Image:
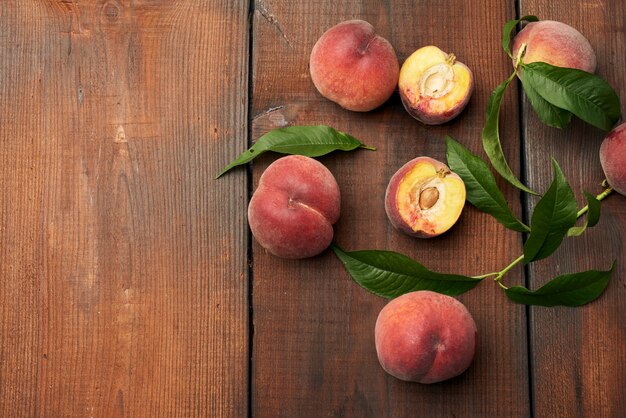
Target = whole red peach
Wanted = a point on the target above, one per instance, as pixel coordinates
(292, 212)
(613, 158)
(425, 337)
(555, 43)
(353, 66)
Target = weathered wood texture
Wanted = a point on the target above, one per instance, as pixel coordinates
(313, 348)
(123, 265)
(124, 278)
(579, 355)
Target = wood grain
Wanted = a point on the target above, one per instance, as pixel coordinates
(123, 286)
(126, 287)
(313, 348)
(578, 366)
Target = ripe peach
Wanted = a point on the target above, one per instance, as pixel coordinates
(613, 158)
(425, 337)
(292, 211)
(354, 67)
(434, 87)
(555, 43)
(424, 198)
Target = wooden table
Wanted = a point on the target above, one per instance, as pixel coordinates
(130, 284)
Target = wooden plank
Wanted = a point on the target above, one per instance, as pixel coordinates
(123, 264)
(313, 347)
(578, 365)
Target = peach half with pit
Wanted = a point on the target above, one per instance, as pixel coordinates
(292, 211)
(434, 86)
(613, 158)
(424, 198)
(555, 43)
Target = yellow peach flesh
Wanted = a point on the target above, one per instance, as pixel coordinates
(426, 93)
(444, 212)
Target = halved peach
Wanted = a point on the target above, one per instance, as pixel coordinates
(434, 87)
(424, 198)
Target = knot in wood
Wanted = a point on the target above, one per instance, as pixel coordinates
(111, 11)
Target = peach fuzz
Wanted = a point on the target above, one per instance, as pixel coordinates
(424, 198)
(555, 43)
(613, 158)
(425, 337)
(353, 66)
(434, 86)
(292, 211)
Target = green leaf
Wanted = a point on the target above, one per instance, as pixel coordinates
(482, 190)
(547, 112)
(567, 290)
(508, 28)
(310, 141)
(593, 216)
(491, 137)
(390, 274)
(554, 214)
(585, 95)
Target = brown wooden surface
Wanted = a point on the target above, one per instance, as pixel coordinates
(123, 286)
(313, 327)
(584, 349)
(129, 285)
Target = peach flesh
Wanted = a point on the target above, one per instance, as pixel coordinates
(613, 158)
(555, 43)
(292, 212)
(434, 87)
(425, 337)
(353, 66)
(424, 198)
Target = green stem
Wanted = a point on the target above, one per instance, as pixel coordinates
(520, 55)
(512, 76)
(367, 147)
(484, 276)
(509, 267)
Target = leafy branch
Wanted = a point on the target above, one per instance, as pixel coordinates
(390, 274)
(555, 94)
